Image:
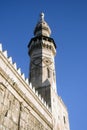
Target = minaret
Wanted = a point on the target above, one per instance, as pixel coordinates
(42, 50)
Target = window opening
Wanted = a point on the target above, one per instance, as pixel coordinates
(64, 119)
(48, 73)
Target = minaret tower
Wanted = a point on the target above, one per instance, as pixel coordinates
(42, 50)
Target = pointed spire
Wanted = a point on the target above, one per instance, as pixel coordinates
(42, 28)
(42, 17)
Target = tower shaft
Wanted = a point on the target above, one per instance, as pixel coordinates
(42, 50)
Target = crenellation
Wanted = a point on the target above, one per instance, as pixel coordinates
(45, 103)
(39, 96)
(26, 80)
(33, 89)
(5, 54)
(23, 76)
(30, 85)
(36, 92)
(42, 100)
(15, 65)
(49, 108)
(19, 71)
(10, 60)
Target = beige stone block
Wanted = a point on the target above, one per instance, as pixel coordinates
(2, 88)
(4, 110)
(15, 116)
(8, 123)
(6, 128)
(22, 124)
(6, 93)
(2, 127)
(17, 104)
(15, 127)
(1, 108)
(10, 97)
(1, 95)
(21, 128)
(6, 102)
(1, 98)
(9, 114)
(13, 106)
(24, 116)
(1, 119)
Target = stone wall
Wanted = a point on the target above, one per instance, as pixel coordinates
(21, 107)
(14, 115)
(9, 110)
(60, 114)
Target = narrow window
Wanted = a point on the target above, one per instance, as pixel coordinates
(64, 119)
(48, 73)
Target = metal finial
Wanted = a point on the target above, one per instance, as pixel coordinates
(42, 17)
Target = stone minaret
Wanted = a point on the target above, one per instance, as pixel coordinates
(42, 50)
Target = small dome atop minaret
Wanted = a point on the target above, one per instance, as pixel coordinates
(42, 27)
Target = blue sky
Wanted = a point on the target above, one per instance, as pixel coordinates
(68, 22)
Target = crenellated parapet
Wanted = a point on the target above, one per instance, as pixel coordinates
(15, 74)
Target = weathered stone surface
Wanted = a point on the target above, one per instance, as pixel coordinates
(2, 127)
(1, 95)
(14, 115)
(1, 119)
(8, 123)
